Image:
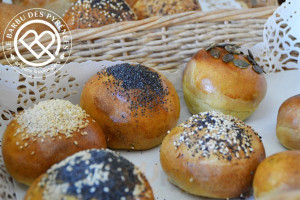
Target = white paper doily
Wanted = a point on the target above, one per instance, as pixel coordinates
(281, 47)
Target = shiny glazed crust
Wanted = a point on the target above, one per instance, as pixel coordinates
(211, 176)
(277, 174)
(149, 8)
(288, 123)
(124, 128)
(211, 84)
(29, 162)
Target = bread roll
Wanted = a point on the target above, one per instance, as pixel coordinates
(45, 134)
(223, 80)
(212, 155)
(149, 8)
(8, 12)
(134, 105)
(57, 6)
(288, 123)
(96, 13)
(277, 174)
(92, 174)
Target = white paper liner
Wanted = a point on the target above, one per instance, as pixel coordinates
(72, 78)
(281, 44)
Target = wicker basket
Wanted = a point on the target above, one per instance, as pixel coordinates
(167, 42)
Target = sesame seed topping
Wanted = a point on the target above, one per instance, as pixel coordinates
(99, 178)
(51, 118)
(213, 133)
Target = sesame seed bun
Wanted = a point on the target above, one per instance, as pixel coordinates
(210, 83)
(288, 123)
(212, 155)
(149, 8)
(96, 13)
(135, 105)
(278, 173)
(46, 134)
(92, 174)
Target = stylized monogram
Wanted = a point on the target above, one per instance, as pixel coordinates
(37, 41)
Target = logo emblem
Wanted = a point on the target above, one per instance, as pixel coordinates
(37, 42)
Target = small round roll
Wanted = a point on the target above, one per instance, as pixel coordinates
(220, 78)
(95, 13)
(288, 123)
(135, 105)
(277, 174)
(92, 174)
(46, 134)
(212, 155)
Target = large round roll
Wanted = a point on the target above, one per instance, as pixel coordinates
(220, 78)
(278, 173)
(288, 123)
(135, 105)
(92, 174)
(46, 134)
(212, 155)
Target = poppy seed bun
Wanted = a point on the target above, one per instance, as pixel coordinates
(134, 105)
(212, 155)
(288, 123)
(278, 173)
(209, 83)
(45, 134)
(92, 174)
(96, 13)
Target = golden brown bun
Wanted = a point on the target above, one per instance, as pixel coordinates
(277, 174)
(8, 12)
(149, 8)
(212, 155)
(57, 6)
(211, 84)
(96, 13)
(97, 174)
(288, 123)
(288, 195)
(26, 156)
(134, 105)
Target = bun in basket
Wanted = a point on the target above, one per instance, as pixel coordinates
(96, 13)
(212, 155)
(220, 78)
(92, 174)
(288, 123)
(278, 173)
(149, 8)
(135, 105)
(46, 134)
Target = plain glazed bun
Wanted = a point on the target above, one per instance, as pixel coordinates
(149, 8)
(96, 13)
(278, 173)
(92, 174)
(288, 123)
(223, 80)
(212, 155)
(135, 105)
(46, 134)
